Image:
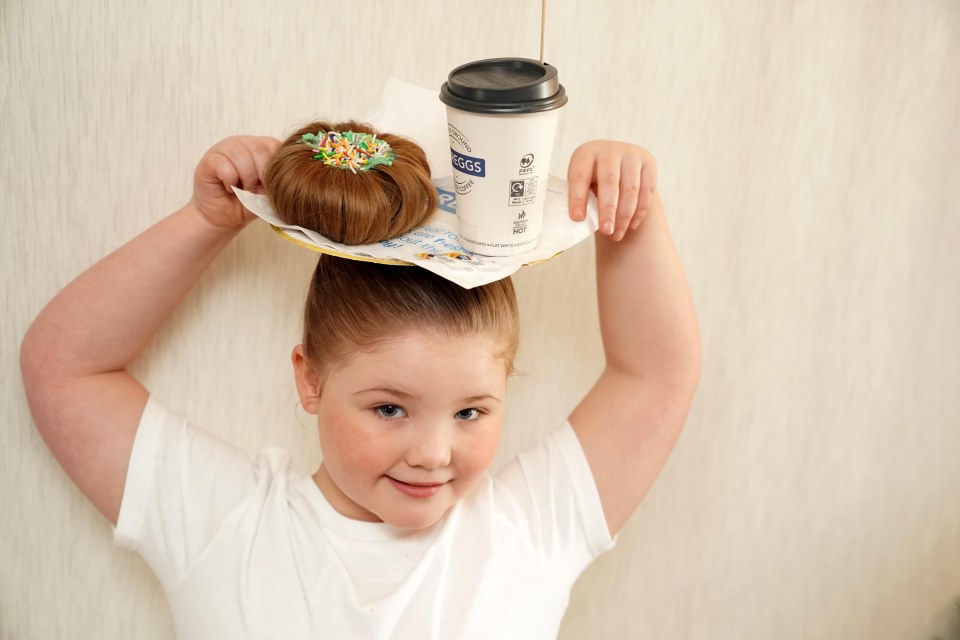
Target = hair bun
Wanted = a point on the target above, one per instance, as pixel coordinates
(349, 207)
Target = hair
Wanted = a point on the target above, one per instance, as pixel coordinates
(346, 207)
(354, 305)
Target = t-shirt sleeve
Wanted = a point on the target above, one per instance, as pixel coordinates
(182, 483)
(550, 490)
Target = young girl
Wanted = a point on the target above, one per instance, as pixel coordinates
(400, 533)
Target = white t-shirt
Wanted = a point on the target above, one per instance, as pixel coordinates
(250, 550)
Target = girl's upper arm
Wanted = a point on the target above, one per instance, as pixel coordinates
(630, 420)
(89, 424)
(627, 426)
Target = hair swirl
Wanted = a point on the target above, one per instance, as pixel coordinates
(350, 208)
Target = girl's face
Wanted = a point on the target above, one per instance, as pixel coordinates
(408, 427)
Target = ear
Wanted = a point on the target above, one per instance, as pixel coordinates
(308, 380)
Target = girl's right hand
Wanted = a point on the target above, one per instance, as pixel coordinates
(237, 161)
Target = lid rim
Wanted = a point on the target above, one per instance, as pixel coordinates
(519, 107)
(499, 85)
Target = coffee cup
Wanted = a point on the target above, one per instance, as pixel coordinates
(502, 118)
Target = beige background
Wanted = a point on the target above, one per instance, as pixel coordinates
(810, 162)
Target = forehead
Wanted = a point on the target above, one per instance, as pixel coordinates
(427, 360)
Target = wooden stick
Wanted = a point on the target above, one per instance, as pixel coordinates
(543, 25)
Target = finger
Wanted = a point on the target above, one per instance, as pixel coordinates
(241, 155)
(579, 178)
(217, 169)
(630, 175)
(263, 150)
(648, 183)
(608, 191)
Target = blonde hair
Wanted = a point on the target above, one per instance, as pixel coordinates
(354, 305)
(351, 208)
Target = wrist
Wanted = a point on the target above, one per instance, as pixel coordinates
(205, 230)
(222, 226)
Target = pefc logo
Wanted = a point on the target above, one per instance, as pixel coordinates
(466, 164)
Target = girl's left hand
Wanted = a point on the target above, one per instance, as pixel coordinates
(623, 177)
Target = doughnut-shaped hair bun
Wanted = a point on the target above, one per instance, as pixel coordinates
(350, 207)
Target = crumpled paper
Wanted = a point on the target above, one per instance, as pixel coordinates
(418, 114)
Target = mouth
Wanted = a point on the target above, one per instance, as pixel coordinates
(419, 490)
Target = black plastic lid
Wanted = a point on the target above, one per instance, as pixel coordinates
(504, 85)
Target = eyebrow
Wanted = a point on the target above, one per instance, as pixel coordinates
(404, 395)
(390, 390)
(483, 397)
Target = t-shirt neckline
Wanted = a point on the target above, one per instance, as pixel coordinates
(340, 524)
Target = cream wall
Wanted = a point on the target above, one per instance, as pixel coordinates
(810, 162)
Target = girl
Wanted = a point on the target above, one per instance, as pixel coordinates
(400, 533)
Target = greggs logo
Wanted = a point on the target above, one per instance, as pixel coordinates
(466, 164)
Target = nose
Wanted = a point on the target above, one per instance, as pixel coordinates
(430, 446)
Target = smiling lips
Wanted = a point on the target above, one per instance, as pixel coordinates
(417, 490)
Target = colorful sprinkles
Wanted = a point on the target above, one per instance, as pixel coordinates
(349, 150)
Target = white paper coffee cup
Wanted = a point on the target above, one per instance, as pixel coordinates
(502, 119)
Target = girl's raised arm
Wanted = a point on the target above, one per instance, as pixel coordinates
(74, 356)
(631, 418)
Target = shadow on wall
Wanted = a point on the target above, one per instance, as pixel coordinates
(946, 625)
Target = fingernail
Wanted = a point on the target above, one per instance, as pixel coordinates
(608, 227)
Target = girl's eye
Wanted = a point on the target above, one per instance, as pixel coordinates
(468, 414)
(390, 412)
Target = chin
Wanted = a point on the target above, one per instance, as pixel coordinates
(414, 521)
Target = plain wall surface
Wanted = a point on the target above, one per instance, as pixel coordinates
(809, 159)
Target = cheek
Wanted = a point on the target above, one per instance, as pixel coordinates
(479, 450)
(346, 449)
(347, 445)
